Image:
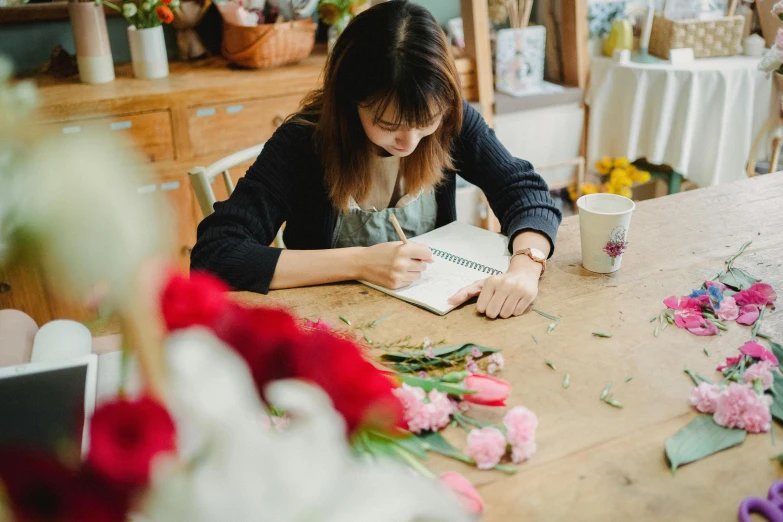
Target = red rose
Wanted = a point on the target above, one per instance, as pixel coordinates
(165, 14)
(490, 391)
(125, 437)
(39, 488)
(197, 300)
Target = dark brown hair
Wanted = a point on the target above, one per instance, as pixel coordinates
(394, 55)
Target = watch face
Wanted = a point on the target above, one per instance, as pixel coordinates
(539, 255)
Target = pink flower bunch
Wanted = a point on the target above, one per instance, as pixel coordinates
(738, 406)
(744, 306)
(424, 411)
(753, 350)
(488, 446)
(496, 363)
(615, 248)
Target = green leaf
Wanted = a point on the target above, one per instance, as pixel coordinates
(699, 439)
(451, 352)
(346, 321)
(605, 391)
(567, 380)
(534, 339)
(737, 279)
(434, 441)
(367, 338)
(430, 384)
(777, 397)
(777, 350)
(414, 445)
(551, 326)
(602, 334)
(549, 363)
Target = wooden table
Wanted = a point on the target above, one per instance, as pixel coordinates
(595, 462)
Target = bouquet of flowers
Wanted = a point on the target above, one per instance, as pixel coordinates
(773, 59)
(617, 176)
(144, 14)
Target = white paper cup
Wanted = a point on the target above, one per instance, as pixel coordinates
(603, 223)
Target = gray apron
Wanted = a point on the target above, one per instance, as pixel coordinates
(363, 228)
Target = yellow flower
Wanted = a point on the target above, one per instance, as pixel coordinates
(620, 177)
(627, 192)
(604, 166)
(640, 176)
(589, 188)
(621, 163)
(572, 192)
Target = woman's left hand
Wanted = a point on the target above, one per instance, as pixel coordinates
(504, 295)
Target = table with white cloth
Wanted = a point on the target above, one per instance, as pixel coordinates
(699, 118)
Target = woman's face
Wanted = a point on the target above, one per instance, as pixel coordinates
(397, 141)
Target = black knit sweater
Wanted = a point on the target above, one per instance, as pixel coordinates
(285, 184)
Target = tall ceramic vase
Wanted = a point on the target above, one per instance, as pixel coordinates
(93, 54)
(148, 52)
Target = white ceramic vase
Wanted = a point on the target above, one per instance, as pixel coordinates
(148, 52)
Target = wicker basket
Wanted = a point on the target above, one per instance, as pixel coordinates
(708, 39)
(268, 45)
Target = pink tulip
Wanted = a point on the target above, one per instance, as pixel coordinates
(469, 498)
(490, 391)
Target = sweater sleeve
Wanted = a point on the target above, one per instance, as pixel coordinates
(233, 242)
(519, 197)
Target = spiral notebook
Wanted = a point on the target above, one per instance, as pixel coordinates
(462, 255)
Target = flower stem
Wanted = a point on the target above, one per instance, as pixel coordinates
(730, 261)
(757, 326)
(693, 377)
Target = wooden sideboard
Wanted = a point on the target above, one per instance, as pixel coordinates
(201, 112)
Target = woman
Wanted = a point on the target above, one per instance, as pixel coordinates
(387, 133)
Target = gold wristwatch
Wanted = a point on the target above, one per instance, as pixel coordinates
(534, 254)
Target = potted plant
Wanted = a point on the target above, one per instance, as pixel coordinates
(145, 34)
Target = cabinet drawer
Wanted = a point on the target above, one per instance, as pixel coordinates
(150, 132)
(176, 191)
(230, 127)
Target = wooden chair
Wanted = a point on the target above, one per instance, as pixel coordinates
(201, 179)
(774, 128)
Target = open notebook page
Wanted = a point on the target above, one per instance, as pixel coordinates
(443, 278)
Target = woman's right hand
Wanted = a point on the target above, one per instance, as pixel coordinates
(393, 265)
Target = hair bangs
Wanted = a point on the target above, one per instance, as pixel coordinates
(407, 105)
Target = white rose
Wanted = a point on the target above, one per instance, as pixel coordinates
(129, 9)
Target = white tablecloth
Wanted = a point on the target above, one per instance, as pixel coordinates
(700, 119)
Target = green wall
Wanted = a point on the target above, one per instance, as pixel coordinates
(29, 45)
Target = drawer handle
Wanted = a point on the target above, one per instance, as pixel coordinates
(121, 125)
(72, 129)
(171, 185)
(202, 113)
(5, 287)
(234, 109)
(146, 189)
(277, 121)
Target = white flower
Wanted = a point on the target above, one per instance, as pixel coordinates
(146, 6)
(129, 9)
(771, 61)
(243, 472)
(74, 204)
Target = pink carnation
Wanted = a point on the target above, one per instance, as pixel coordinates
(521, 424)
(705, 397)
(740, 407)
(424, 412)
(440, 409)
(728, 310)
(762, 371)
(522, 452)
(757, 417)
(486, 446)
